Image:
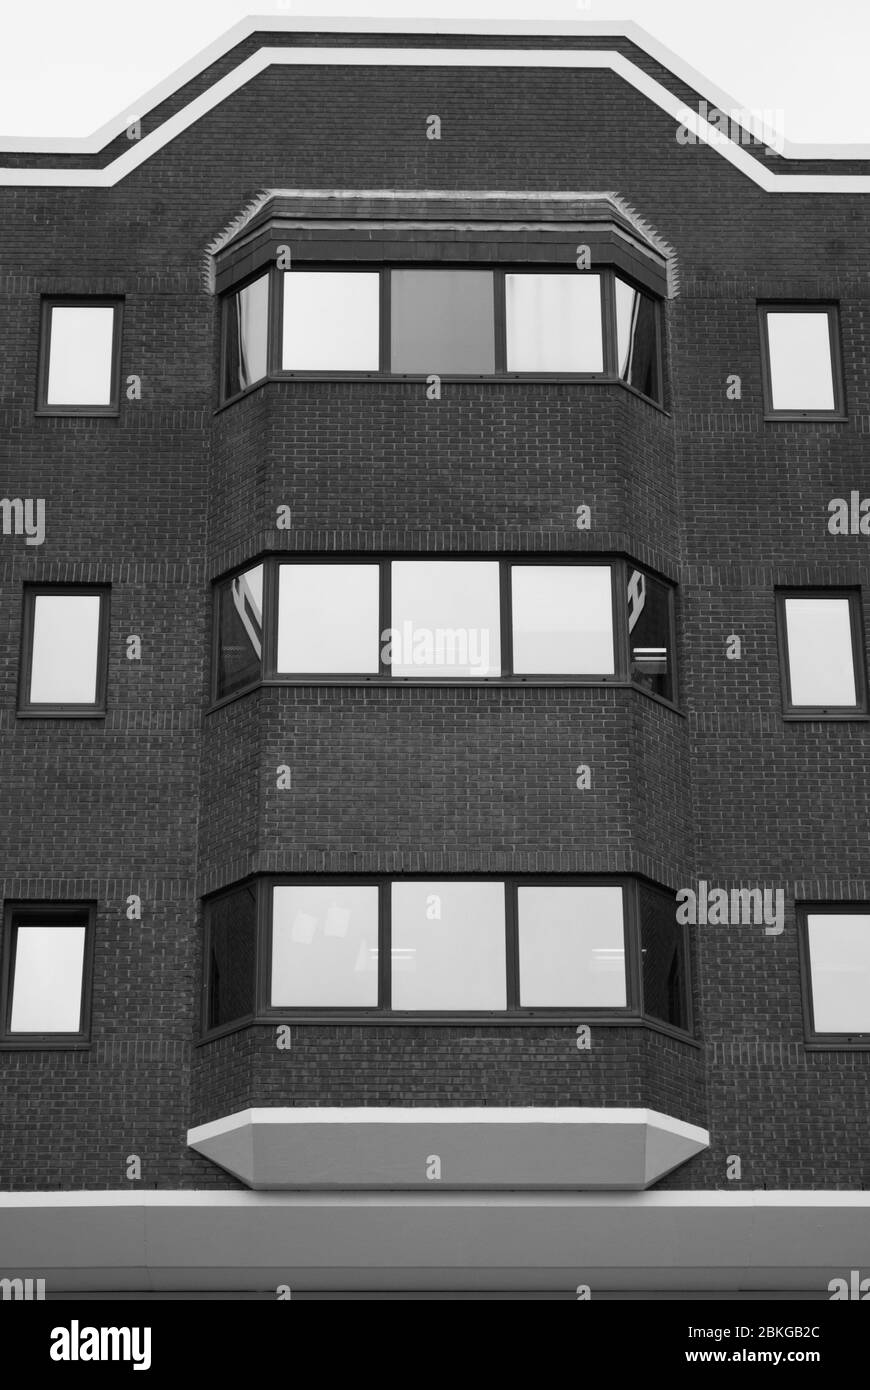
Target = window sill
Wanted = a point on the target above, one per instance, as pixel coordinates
(850, 1042)
(805, 417)
(556, 1018)
(42, 1042)
(106, 412)
(62, 712)
(825, 716)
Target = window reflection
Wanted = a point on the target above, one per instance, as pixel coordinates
(240, 632)
(247, 320)
(649, 632)
(637, 339)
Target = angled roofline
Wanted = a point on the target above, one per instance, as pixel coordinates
(335, 55)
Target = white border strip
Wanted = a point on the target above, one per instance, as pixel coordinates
(143, 149)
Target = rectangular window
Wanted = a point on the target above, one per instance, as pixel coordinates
(232, 956)
(637, 339)
(246, 336)
(837, 971)
(664, 953)
(442, 321)
(821, 637)
(46, 973)
(80, 356)
(553, 323)
(325, 946)
(65, 641)
(328, 619)
(239, 637)
(562, 619)
(571, 947)
(650, 633)
(445, 619)
(801, 359)
(331, 321)
(448, 947)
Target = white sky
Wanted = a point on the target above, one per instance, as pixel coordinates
(68, 66)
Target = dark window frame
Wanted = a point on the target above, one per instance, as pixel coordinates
(609, 373)
(46, 913)
(631, 1014)
(619, 565)
(832, 309)
(27, 709)
(95, 301)
(813, 1039)
(795, 712)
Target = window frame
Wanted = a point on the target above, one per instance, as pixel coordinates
(606, 273)
(792, 306)
(94, 301)
(630, 1015)
(619, 565)
(46, 913)
(27, 709)
(794, 712)
(813, 1039)
(264, 272)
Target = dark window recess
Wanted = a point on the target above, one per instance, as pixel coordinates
(637, 339)
(665, 960)
(246, 331)
(240, 632)
(649, 633)
(232, 954)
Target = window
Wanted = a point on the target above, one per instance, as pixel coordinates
(331, 321)
(562, 619)
(80, 357)
(836, 967)
(469, 322)
(443, 619)
(65, 640)
(246, 335)
(47, 954)
(822, 652)
(397, 948)
(801, 359)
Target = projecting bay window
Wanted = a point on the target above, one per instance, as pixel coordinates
(468, 323)
(330, 620)
(46, 974)
(822, 653)
(399, 949)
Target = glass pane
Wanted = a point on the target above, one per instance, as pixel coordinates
(572, 947)
(66, 636)
(448, 946)
(442, 321)
(247, 331)
(649, 631)
(665, 968)
(325, 946)
(801, 375)
(331, 321)
(820, 654)
(328, 619)
(232, 957)
(240, 632)
(637, 339)
(445, 617)
(80, 355)
(554, 323)
(562, 619)
(47, 982)
(839, 948)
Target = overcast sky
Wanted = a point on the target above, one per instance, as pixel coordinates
(68, 66)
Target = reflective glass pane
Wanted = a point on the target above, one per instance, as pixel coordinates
(663, 949)
(562, 619)
(331, 321)
(247, 331)
(553, 323)
(328, 619)
(820, 652)
(47, 980)
(445, 619)
(240, 632)
(80, 355)
(442, 321)
(801, 373)
(839, 949)
(649, 633)
(325, 946)
(637, 339)
(572, 947)
(448, 945)
(232, 956)
(66, 638)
